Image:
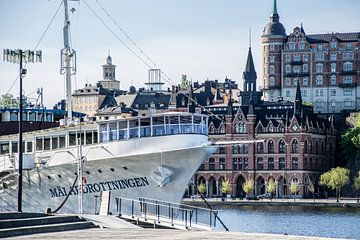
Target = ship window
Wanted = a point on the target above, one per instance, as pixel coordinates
(59, 176)
(48, 117)
(145, 130)
(95, 136)
(29, 147)
(62, 141)
(32, 117)
(49, 177)
(4, 148)
(38, 144)
(88, 137)
(123, 130)
(99, 170)
(46, 143)
(111, 169)
(13, 117)
(81, 136)
(134, 130)
(54, 142)
(113, 131)
(87, 172)
(14, 147)
(72, 138)
(125, 168)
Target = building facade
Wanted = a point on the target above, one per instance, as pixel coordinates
(327, 66)
(282, 140)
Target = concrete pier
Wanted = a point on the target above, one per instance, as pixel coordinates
(138, 233)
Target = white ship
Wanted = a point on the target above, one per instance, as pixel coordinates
(151, 156)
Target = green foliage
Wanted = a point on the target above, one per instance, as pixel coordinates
(271, 186)
(294, 187)
(225, 187)
(8, 101)
(202, 188)
(308, 104)
(185, 84)
(357, 183)
(350, 143)
(336, 178)
(248, 186)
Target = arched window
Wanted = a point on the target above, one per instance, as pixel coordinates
(311, 147)
(212, 129)
(305, 147)
(260, 147)
(333, 67)
(260, 164)
(348, 66)
(271, 146)
(322, 147)
(222, 129)
(295, 163)
(282, 163)
(295, 146)
(319, 80)
(317, 150)
(282, 146)
(271, 163)
(272, 81)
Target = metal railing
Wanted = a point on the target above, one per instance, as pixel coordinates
(168, 213)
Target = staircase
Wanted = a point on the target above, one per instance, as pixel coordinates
(15, 224)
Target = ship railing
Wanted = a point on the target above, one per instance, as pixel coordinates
(164, 213)
(169, 124)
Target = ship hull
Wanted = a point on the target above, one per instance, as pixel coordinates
(162, 175)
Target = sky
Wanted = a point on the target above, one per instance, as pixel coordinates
(204, 39)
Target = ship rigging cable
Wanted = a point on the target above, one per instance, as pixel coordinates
(38, 43)
(166, 78)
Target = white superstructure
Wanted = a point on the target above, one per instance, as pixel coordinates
(153, 157)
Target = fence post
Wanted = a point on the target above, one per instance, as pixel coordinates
(145, 207)
(132, 208)
(185, 218)
(172, 216)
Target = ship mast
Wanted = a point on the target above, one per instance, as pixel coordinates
(68, 63)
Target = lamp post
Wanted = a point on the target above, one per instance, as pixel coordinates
(19, 56)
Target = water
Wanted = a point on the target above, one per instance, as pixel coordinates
(307, 221)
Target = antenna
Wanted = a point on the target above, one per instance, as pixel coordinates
(250, 37)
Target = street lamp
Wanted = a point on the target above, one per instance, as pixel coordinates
(19, 56)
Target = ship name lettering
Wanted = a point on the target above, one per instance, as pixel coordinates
(100, 186)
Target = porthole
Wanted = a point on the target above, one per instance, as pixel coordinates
(5, 186)
(111, 169)
(49, 177)
(99, 170)
(59, 176)
(125, 168)
(87, 172)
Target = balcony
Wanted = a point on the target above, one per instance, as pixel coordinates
(297, 74)
(347, 85)
(298, 62)
(353, 72)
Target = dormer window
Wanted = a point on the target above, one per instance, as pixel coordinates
(333, 44)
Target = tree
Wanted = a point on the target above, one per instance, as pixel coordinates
(201, 188)
(248, 186)
(271, 187)
(335, 179)
(294, 188)
(8, 101)
(357, 185)
(311, 188)
(225, 187)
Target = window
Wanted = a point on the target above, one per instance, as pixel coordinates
(245, 164)
(333, 103)
(348, 79)
(333, 67)
(297, 69)
(333, 80)
(320, 47)
(288, 58)
(333, 44)
(306, 57)
(295, 146)
(272, 81)
(272, 48)
(320, 57)
(319, 103)
(297, 58)
(304, 93)
(260, 163)
(301, 46)
(222, 163)
(332, 92)
(272, 70)
(287, 93)
(319, 68)
(305, 81)
(296, 81)
(222, 150)
(222, 129)
(282, 163)
(235, 164)
(295, 163)
(305, 68)
(348, 103)
(288, 69)
(348, 45)
(333, 56)
(211, 163)
(319, 92)
(348, 66)
(347, 91)
(319, 80)
(292, 46)
(287, 81)
(272, 59)
(271, 146)
(260, 147)
(271, 163)
(348, 56)
(282, 146)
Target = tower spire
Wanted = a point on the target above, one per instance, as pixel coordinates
(250, 37)
(275, 8)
